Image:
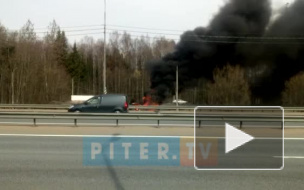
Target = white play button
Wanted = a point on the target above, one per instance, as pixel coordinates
(235, 138)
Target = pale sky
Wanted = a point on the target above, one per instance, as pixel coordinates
(175, 15)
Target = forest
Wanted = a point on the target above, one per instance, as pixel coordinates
(48, 69)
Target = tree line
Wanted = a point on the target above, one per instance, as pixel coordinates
(49, 69)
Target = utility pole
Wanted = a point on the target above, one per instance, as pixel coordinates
(176, 87)
(12, 74)
(136, 66)
(137, 94)
(104, 51)
(73, 86)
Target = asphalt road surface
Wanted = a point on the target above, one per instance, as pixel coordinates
(55, 162)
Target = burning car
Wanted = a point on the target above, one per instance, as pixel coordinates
(147, 100)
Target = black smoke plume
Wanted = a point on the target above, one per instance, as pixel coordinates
(242, 33)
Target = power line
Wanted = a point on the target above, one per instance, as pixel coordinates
(113, 28)
(197, 41)
(186, 35)
(142, 28)
(246, 42)
(94, 33)
(67, 31)
(112, 25)
(80, 26)
(218, 36)
(143, 32)
(110, 29)
(198, 38)
(121, 34)
(216, 41)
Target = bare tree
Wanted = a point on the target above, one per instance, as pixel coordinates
(294, 91)
(230, 87)
(162, 46)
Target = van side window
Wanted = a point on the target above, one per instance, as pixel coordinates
(112, 99)
(94, 101)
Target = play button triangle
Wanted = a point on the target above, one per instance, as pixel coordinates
(235, 138)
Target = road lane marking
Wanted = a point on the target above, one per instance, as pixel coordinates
(98, 124)
(54, 135)
(60, 135)
(294, 138)
(290, 157)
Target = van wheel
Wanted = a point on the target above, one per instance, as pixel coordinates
(77, 111)
(117, 111)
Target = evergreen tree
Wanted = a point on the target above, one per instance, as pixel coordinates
(76, 67)
(61, 48)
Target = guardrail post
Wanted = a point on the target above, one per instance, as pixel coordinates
(241, 124)
(35, 122)
(116, 122)
(75, 122)
(199, 123)
(158, 123)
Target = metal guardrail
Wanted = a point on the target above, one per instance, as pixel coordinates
(144, 117)
(176, 116)
(34, 106)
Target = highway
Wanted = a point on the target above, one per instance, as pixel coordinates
(50, 155)
(52, 159)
